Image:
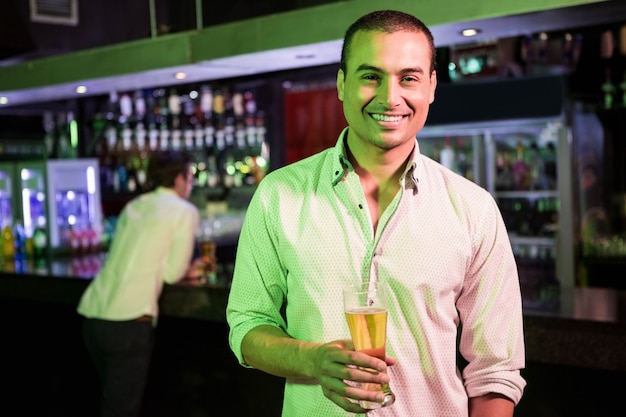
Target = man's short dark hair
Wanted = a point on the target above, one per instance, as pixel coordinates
(388, 21)
(165, 166)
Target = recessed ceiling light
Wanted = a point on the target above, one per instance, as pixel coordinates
(470, 32)
(4, 100)
(180, 75)
(81, 89)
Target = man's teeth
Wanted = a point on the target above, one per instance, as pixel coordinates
(385, 118)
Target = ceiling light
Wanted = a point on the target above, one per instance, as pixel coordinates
(470, 32)
(81, 89)
(180, 75)
(4, 100)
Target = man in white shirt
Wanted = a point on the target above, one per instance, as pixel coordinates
(153, 244)
(374, 209)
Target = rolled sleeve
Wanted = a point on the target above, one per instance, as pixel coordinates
(258, 288)
(492, 342)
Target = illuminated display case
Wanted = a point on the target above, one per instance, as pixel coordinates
(61, 196)
(74, 202)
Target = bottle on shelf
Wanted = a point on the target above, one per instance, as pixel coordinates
(63, 147)
(536, 166)
(174, 109)
(464, 162)
(49, 137)
(19, 239)
(447, 156)
(608, 89)
(8, 240)
(218, 106)
(521, 171)
(40, 240)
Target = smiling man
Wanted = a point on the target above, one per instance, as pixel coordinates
(373, 208)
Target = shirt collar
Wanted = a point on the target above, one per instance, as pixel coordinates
(341, 165)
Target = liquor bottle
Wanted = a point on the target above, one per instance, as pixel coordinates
(19, 239)
(126, 108)
(63, 148)
(521, 171)
(218, 107)
(537, 169)
(133, 165)
(229, 132)
(608, 89)
(40, 240)
(139, 102)
(188, 120)
(8, 241)
(48, 127)
(550, 161)
(206, 104)
(447, 157)
(262, 160)
(249, 103)
(505, 180)
(174, 107)
(213, 175)
(464, 164)
(107, 158)
(120, 173)
(238, 106)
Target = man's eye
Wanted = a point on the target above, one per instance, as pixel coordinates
(371, 77)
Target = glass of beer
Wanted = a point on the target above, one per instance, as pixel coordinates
(366, 313)
(206, 242)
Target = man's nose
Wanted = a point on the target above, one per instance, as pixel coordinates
(389, 93)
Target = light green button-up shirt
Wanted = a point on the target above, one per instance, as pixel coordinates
(153, 245)
(441, 250)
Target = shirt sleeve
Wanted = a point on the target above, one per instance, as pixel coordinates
(490, 308)
(182, 246)
(259, 279)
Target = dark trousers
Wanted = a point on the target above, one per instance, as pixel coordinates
(121, 351)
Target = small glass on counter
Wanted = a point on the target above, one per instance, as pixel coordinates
(205, 237)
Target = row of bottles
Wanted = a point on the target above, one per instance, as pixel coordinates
(225, 133)
(530, 216)
(524, 168)
(19, 245)
(455, 154)
(60, 134)
(537, 274)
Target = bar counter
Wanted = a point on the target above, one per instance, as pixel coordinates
(575, 349)
(584, 327)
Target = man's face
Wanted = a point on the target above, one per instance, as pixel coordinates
(184, 183)
(388, 87)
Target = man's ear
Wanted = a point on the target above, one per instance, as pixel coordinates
(340, 84)
(433, 86)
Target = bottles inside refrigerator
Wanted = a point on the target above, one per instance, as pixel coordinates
(524, 165)
(75, 207)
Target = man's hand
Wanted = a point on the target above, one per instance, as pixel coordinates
(335, 365)
(340, 370)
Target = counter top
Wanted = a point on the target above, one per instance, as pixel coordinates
(579, 327)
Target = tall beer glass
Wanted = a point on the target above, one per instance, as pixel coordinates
(366, 312)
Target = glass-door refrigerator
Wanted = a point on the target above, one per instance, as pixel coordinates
(526, 165)
(61, 197)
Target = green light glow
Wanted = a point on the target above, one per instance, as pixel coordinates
(73, 133)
